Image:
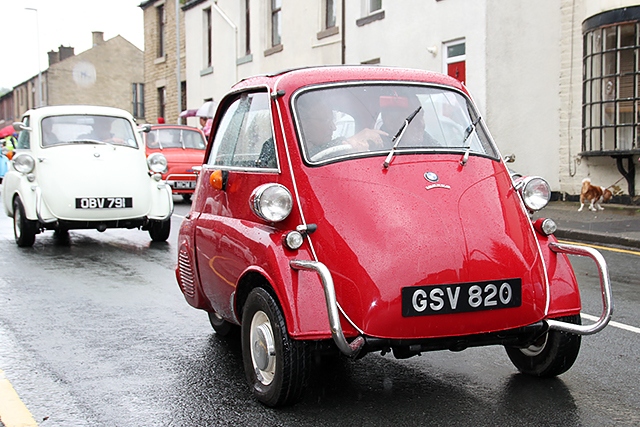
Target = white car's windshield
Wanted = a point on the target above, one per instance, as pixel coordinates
(346, 120)
(87, 129)
(176, 138)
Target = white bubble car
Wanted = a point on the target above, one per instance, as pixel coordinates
(84, 167)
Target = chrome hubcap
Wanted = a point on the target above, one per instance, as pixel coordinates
(263, 353)
(535, 348)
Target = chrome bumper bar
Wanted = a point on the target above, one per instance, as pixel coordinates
(348, 348)
(605, 286)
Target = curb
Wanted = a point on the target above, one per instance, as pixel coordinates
(597, 238)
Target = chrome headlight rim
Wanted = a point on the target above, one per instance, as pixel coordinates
(271, 202)
(535, 192)
(157, 163)
(23, 163)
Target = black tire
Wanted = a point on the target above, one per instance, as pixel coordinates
(222, 327)
(552, 354)
(276, 367)
(24, 229)
(160, 230)
(186, 198)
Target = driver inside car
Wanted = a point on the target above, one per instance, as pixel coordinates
(318, 125)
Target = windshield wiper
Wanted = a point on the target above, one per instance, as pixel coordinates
(396, 139)
(467, 133)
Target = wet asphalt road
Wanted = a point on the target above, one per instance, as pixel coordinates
(95, 332)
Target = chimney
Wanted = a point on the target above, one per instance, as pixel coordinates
(65, 52)
(98, 38)
(53, 57)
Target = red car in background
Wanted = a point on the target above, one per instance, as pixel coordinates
(357, 210)
(184, 147)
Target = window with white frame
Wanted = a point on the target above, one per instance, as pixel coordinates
(246, 43)
(329, 14)
(138, 100)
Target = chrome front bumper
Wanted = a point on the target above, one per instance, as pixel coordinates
(353, 348)
(349, 348)
(605, 288)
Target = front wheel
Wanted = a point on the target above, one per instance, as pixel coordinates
(276, 366)
(552, 354)
(24, 229)
(160, 230)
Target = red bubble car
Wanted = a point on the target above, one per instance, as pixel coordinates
(362, 209)
(183, 147)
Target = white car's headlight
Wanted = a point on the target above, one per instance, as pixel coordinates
(535, 192)
(157, 163)
(271, 202)
(24, 163)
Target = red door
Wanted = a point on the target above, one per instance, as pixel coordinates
(457, 70)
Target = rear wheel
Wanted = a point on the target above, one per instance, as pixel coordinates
(24, 229)
(552, 354)
(221, 326)
(160, 230)
(275, 365)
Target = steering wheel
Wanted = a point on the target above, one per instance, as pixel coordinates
(334, 151)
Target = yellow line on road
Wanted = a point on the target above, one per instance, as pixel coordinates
(604, 248)
(13, 413)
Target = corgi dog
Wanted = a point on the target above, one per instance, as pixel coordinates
(594, 195)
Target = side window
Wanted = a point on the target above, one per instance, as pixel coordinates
(23, 137)
(244, 138)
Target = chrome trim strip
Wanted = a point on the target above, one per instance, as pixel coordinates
(605, 286)
(350, 349)
(38, 191)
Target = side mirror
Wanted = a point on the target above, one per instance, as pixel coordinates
(145, 128)
(509, 158)
(18, 126)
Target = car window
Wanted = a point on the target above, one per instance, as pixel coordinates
(87, 129)
(244, 136)
(346, 120)
(24, 136)
(175, 138)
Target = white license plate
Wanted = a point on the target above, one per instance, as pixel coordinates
(183, 185)
(104, 202)
(461, 298)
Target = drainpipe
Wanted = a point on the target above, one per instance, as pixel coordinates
(178, 76)
(235, 30)
(343, 43)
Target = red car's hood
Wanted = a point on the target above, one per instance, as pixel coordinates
(383, 230)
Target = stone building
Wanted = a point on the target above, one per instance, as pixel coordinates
(108, 74)
(554, 79)
(164, 60)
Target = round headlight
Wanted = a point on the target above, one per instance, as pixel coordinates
(24, 163)
(157, 163)
(535, 192)
(271, 202)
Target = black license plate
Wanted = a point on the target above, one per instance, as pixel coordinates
(104, 202)
(461, 298)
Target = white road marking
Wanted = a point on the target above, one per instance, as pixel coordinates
(612, 323)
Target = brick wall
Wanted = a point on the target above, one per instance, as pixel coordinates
(161, 72)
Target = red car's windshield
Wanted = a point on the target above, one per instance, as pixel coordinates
(345, 120)
(175, 138)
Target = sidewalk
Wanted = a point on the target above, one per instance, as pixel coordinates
(615, 225)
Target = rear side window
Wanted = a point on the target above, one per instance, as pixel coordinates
(244, 136)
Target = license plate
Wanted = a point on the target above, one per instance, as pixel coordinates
(183, 185)
(461, 298)
(104, 202)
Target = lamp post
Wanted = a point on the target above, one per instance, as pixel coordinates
(38, 55)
